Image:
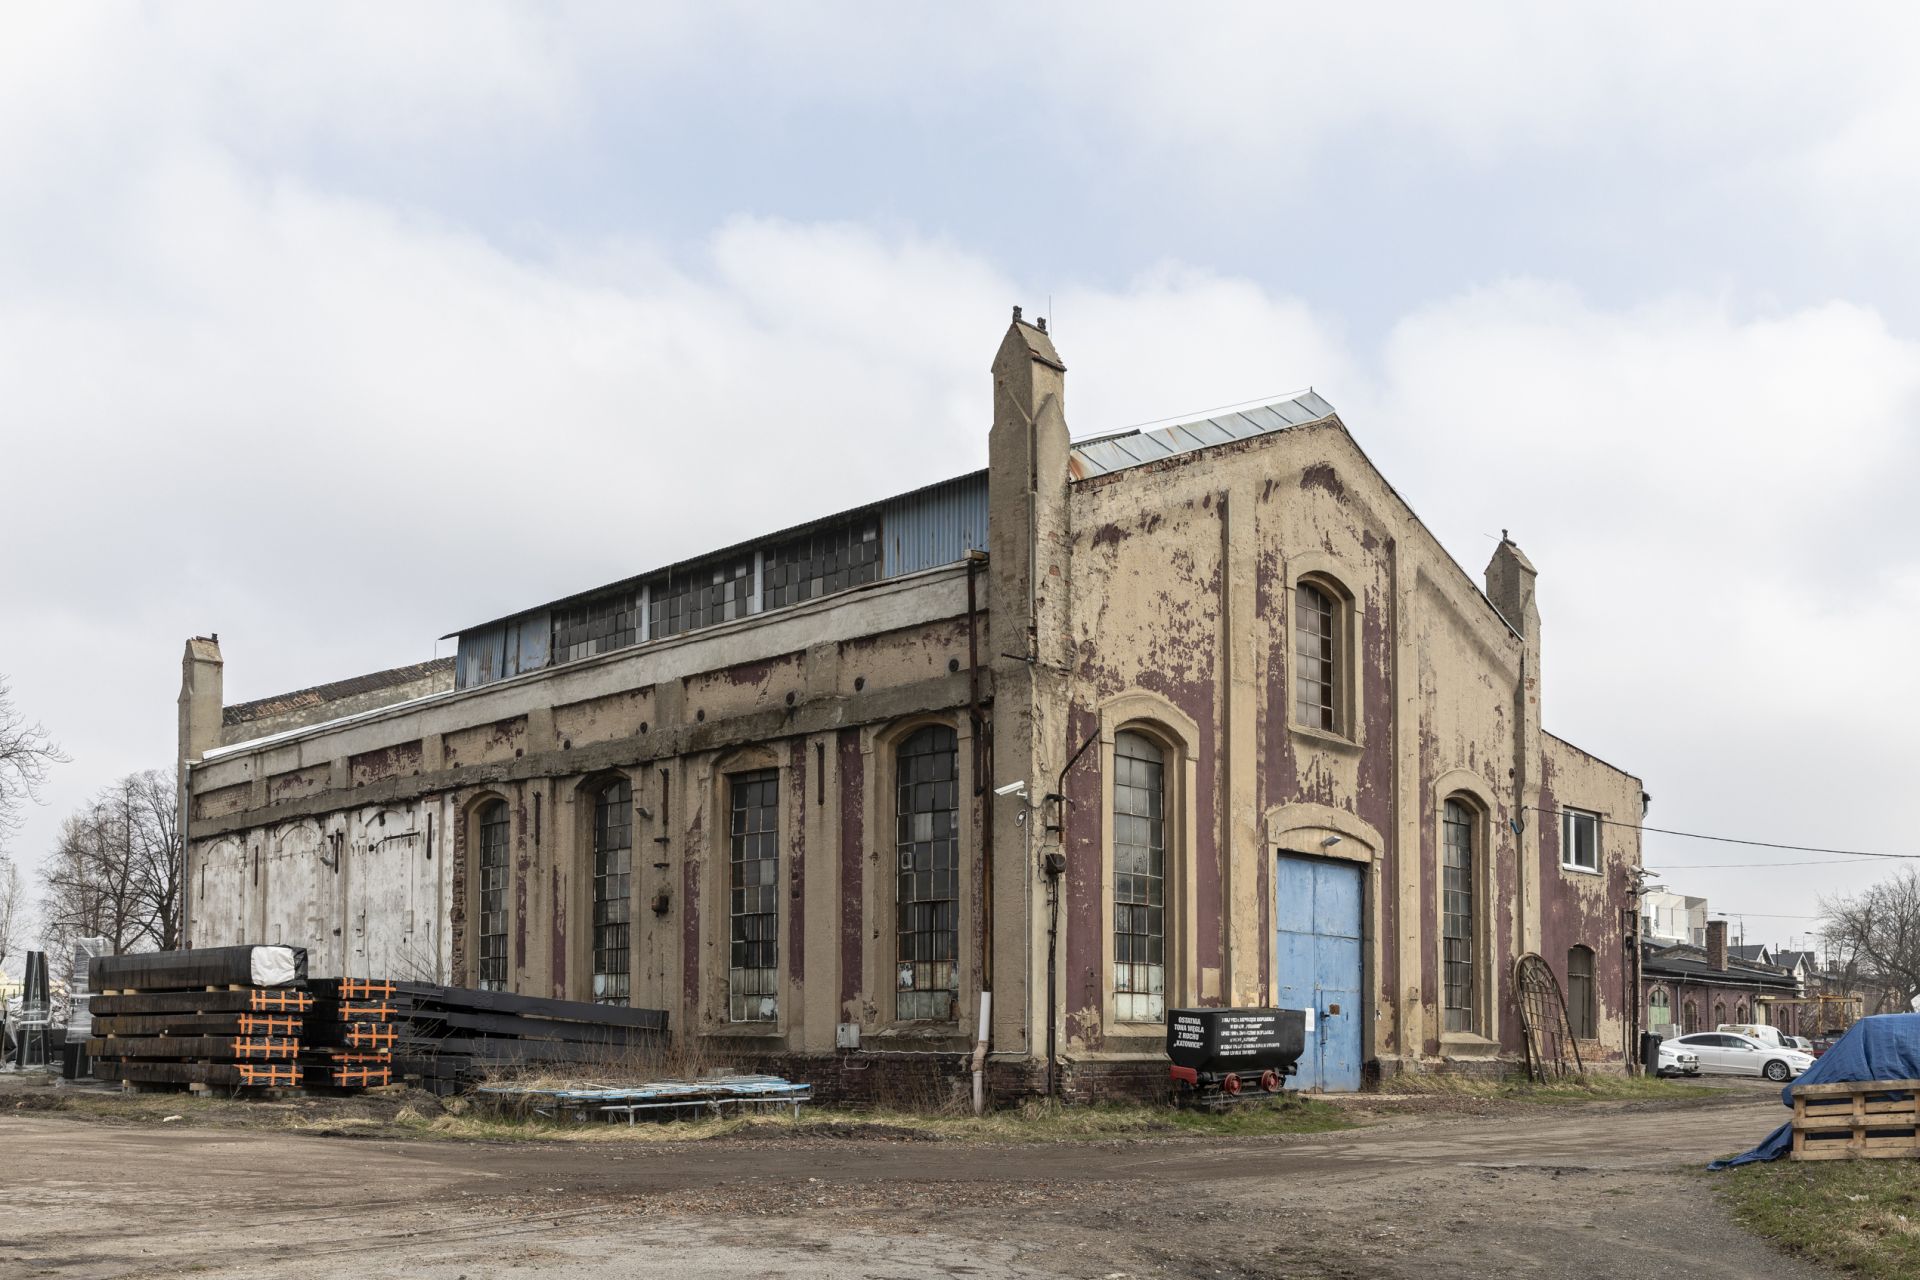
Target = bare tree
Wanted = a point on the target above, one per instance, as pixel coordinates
(26, 754)
(13, 908)
(1876, 934)
(116, 871)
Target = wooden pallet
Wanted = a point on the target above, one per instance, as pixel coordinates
(1857, 1120)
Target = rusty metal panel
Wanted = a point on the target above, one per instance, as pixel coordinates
(934, 526)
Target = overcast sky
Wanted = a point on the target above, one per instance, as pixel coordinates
(332, 329)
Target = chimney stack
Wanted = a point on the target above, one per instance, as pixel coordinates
(1717, 945)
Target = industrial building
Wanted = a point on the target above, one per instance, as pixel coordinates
(1200, 715)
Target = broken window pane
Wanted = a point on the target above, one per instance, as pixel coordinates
(753, 967)
(686, 600)
(491, 947)
(1139, 863)
(612, 892)
(928, 857)
(821, 562)
(597, 625)
(1456, 905)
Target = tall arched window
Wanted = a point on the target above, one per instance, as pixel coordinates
(753, 964)
(1689, 1018)
(1457, 915)
(1139, 879)
(1719, 1013)
(1316, 640)
(612, 892)
(927, 950)
(490, 865)
(1740, 1012)
(1582, 1015)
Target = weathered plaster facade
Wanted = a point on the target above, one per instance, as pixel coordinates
(1154, 595)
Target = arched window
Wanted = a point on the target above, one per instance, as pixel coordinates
(1689, 1018)
(490, 865)
(1740, 1012)
(1582, 1015)
(753, 964)
(612, 892)
(1457, 915)
(1316, 646)
(1719, 1013)
(927, 778)
(1659, 1009)
(1139, 879)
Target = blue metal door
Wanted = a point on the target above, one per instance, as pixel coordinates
(1316, 908)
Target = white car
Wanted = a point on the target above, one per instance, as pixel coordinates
(1676, 1061)
(1728, 1054)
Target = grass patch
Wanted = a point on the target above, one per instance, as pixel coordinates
(1593, 1088)
(1032, 1123)
(1858, 1215)
(402, 1114)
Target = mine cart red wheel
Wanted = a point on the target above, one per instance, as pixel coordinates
(1231, 1084)
(1270, 1081)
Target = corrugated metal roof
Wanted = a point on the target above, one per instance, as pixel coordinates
(1105, 454)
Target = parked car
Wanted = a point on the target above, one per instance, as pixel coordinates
(1729, 1054)
(1801, 1043)
(1677, 1061)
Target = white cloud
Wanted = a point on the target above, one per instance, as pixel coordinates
(251, 386)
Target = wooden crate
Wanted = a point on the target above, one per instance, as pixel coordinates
(1857, 1120)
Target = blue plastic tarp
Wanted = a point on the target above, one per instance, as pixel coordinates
(1883, 1047)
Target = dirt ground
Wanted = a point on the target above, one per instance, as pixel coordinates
(1424, 1189)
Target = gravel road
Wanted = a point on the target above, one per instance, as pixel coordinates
(1599, 1189)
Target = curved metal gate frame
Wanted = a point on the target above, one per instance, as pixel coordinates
(1544, 1026)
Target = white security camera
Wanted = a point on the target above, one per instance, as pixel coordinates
(1012, 789)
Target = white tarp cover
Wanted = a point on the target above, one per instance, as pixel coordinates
(274, 967)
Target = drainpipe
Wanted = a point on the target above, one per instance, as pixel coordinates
(980, 1054)
(184, 804)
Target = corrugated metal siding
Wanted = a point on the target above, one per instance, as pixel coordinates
(934, 526)
(503, 649)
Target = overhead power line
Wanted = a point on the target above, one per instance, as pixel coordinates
(1751, 866)
(1757, 844)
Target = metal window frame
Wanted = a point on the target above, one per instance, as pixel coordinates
(490, 970)
(1139, 897)
(612, 927)
(926, 927)
(753, 927)
(1316, 698)
(1458, 950)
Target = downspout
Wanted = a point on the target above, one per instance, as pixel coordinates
(982, 1040)
(185, 804)
(1055, 867)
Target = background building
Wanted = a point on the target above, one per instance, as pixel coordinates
(1276, 746)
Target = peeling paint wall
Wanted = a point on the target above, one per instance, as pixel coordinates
(1184, 583)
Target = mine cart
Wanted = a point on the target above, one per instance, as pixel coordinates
(1224, 1055)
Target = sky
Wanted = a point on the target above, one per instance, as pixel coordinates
(335, 328)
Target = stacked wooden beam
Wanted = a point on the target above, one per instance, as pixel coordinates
(350, 1033)
(224, 1017)
(452, 1036)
